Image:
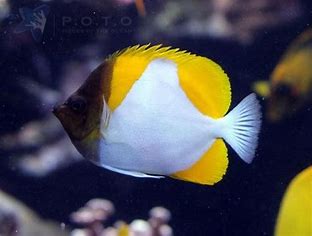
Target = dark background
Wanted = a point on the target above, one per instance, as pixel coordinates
(245, 202)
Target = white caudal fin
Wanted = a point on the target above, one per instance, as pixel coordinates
(240, 127)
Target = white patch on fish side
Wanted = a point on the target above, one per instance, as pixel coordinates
(156, 129)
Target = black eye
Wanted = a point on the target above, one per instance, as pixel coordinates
(77, 104)
(283, 90)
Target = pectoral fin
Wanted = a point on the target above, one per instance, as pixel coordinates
(262, 88)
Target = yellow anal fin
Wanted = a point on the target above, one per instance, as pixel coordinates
(209, 169)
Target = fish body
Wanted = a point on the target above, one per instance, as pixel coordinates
(290, 86)
(155, 111)
(295, 215)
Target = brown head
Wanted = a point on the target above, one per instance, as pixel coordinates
(81, 113)
(283, 102)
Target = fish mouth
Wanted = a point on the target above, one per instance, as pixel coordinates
(58, 110)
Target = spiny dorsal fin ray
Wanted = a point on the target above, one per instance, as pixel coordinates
(153, 52)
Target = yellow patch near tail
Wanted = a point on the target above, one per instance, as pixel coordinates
(203, 81)
(210, 168)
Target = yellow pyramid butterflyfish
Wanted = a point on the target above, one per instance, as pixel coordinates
(153, 111)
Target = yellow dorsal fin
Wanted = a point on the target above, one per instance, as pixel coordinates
(203, 81)
(210, 168)
(301, 42)
(130, 63)
(206, 85)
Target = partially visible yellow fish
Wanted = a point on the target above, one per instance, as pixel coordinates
(290, 85)
(155, 111)
(295, 215)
